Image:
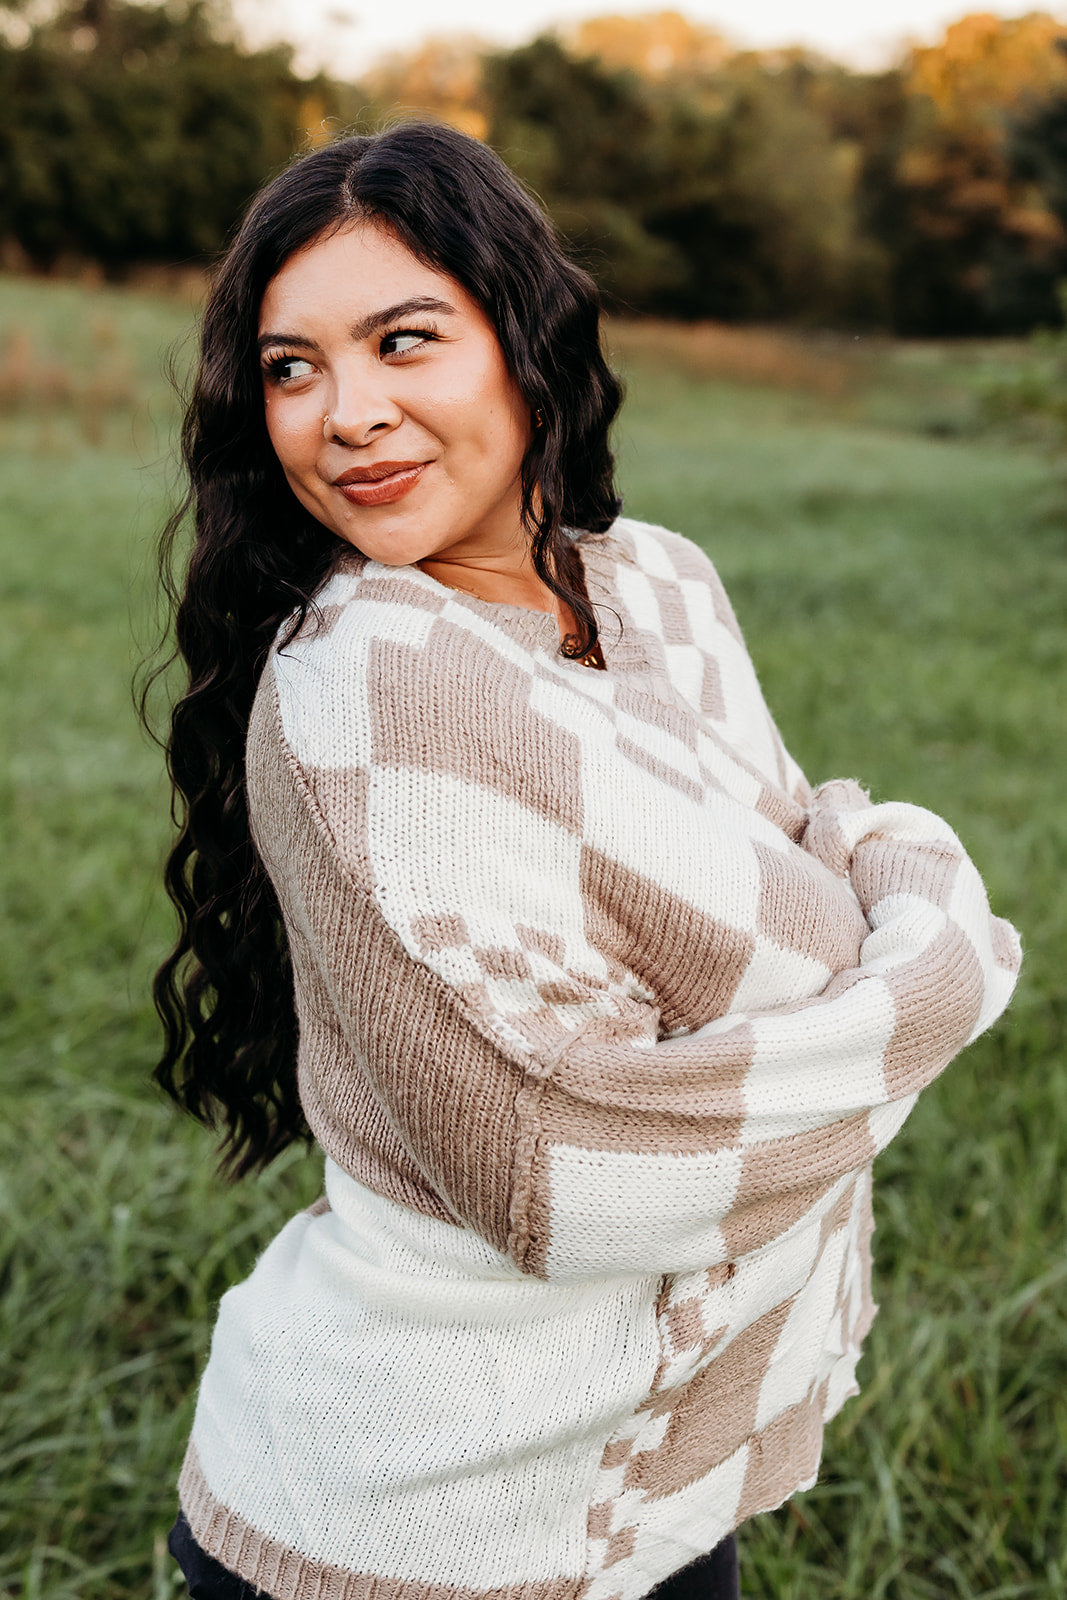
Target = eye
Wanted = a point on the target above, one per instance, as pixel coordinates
(287, 369)
(404, 340)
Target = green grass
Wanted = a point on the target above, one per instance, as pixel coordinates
(903, 594)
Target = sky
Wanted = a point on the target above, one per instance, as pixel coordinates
(347, 36)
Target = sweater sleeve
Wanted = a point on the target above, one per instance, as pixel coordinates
(544, 1108)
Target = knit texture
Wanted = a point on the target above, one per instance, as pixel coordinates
(603, 1017)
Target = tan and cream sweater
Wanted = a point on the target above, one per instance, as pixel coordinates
(603, 1017)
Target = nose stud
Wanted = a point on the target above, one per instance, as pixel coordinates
(326, 422)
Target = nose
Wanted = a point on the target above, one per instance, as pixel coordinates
(361, 408)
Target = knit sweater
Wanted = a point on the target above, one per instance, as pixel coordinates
(603, 1018)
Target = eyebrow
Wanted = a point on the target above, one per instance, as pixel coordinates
(367, 325)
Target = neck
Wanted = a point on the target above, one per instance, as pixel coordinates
(509, 585)
(499, 580)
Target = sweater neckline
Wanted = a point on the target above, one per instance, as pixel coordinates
(539, 630)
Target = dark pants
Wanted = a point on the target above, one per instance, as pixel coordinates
(713, 1577)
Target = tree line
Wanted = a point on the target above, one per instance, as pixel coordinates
(694, 180)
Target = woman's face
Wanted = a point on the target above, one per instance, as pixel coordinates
(427, 428)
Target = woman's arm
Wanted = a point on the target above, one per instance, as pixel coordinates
(565, 1131)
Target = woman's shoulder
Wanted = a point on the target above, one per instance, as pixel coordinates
(667, 557)
(391, 666)
(657, 550)
(362, 623)
(360, 604)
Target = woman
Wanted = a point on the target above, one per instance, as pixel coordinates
(495, 876)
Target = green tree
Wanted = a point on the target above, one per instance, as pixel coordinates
(733, 203)
(138, 132)
(1037, 147)
(589, 143)
(978, 248)
(788, 185)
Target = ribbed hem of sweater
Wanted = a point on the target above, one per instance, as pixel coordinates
(284, 1574)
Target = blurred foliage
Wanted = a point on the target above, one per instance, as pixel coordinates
(654, 44)
(981, 247)
(138, 132)
(1032, 390)
(679, 206)
(700, 181)
(443, 76)
(695, 180)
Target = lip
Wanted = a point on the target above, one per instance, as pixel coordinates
(381, 483)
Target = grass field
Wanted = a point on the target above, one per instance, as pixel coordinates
(900, 573)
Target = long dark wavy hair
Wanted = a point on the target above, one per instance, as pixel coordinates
(225, 993)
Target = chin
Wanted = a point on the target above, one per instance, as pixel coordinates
(387, 552)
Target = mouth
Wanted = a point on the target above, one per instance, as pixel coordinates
(381, 483)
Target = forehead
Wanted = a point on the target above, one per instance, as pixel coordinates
(354, 272)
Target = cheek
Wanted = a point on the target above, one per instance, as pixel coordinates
(497, 417)
(294, 433)
(471, 398)
(511, 412)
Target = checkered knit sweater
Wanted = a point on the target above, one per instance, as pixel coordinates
(603, 1017)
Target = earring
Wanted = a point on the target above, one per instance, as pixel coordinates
(539, 420)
